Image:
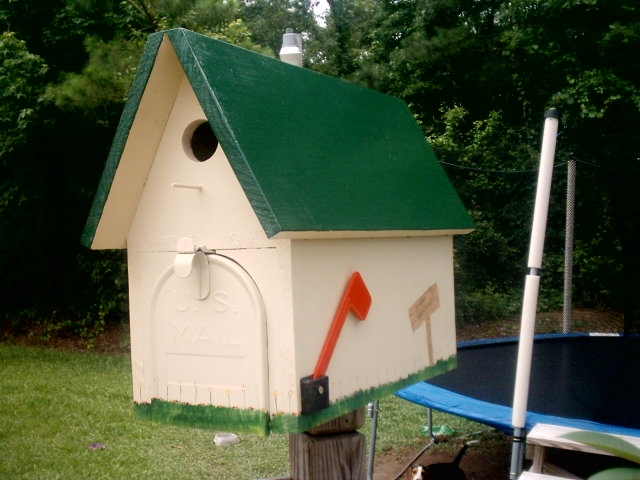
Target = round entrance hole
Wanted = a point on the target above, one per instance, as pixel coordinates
(199, 141)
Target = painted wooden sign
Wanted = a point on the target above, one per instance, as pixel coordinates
(249, 194)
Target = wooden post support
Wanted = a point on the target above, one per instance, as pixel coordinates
(331, 451)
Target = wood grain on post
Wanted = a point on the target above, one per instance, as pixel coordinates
(331, 451)
(338, 456)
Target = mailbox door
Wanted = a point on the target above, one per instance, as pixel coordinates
(210, 340)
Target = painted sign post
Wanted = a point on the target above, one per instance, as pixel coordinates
(421, 311)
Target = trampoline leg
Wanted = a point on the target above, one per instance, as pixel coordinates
(373, 413)
(430, 423)
(517, 453)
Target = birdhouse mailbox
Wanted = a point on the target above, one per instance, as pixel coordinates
(289, 240)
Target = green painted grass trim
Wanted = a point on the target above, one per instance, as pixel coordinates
(258, 423)
(299, 423)
(237, 420)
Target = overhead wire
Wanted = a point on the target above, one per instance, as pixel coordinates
(513, 171)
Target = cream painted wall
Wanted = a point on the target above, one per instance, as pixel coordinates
(299, 283)
(215, 212)
(383, 348)
(215, 215)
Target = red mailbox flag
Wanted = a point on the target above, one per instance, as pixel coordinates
(356, 298)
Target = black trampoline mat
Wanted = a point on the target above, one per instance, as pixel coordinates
(587, 377)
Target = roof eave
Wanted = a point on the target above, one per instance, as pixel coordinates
(118, 145)
(337, 234)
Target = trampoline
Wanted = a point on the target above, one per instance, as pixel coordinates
(585, 381)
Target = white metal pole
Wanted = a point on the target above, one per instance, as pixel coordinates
(373, 413)
(531, 287)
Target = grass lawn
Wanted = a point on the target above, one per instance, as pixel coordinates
(54, 403)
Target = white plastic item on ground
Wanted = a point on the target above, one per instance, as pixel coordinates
(221, 439)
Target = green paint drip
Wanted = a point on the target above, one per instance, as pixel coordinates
(257, 422)
(300, 423)
(254, 422)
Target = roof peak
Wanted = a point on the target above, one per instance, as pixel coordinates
(312, 153)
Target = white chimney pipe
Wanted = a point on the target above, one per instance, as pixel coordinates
(291, 51)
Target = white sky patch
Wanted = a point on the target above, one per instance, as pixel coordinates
(320, 11)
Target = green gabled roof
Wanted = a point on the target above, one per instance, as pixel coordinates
(313, 153)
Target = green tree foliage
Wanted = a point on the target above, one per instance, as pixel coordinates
(21, 83)
(478, 75)
(47, 169)
(99, 90)
(344, 46)
(491, 164)
(599, 95)
(57, 126)
(43, 197)
(268, 20)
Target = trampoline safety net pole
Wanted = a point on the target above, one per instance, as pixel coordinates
(531, 287)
